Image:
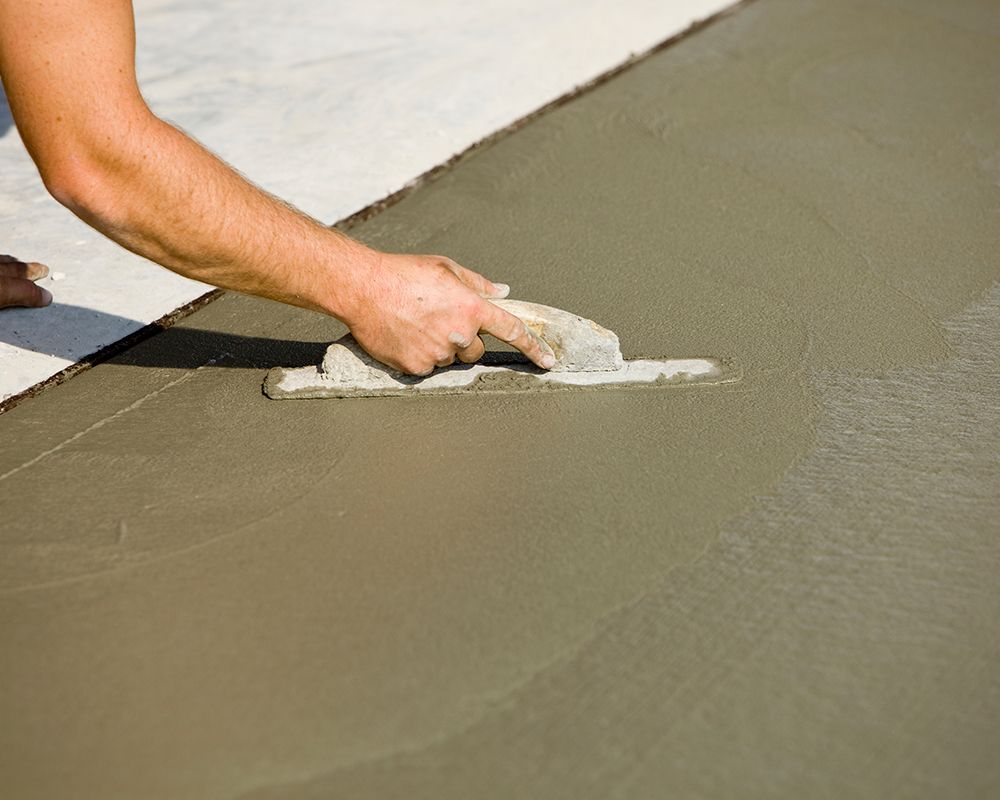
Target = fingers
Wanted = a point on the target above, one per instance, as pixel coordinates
(10, 267)
(22, 292)
(16, 287)
(476, 282)
(508, 328)
(469, 350)
(445, 360)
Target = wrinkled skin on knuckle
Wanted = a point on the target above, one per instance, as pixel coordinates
(422, 362)
(443, 269)
(514, 329)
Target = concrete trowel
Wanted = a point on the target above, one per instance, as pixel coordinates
(587, 356)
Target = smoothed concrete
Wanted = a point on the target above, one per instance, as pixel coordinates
(784, 586)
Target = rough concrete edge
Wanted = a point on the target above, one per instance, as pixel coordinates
(110, 351)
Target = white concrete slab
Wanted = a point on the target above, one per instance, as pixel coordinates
(330, 105)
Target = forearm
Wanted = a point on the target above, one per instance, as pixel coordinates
(69, 69)
(161, 195)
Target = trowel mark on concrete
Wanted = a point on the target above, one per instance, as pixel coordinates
(105, 420)
(880, 543)
(38, 561)
(110, 558)
(870, 568)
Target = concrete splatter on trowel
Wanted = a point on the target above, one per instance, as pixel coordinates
(587, 356)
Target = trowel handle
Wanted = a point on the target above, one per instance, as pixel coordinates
(579, 344)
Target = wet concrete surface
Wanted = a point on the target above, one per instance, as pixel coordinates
(785, 586)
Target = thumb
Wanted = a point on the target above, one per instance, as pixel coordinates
(480, 285)
(22, 292)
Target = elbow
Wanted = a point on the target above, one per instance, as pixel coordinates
(76, 182)
(95, 173)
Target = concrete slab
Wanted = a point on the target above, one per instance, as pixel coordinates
(330, 105)
(782, 587)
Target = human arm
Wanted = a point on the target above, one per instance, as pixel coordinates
(68, 69)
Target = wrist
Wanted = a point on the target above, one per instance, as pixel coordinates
(349, 272)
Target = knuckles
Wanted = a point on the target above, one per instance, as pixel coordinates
(515, 331)
(416, 368)
(469, 307)
(418, 365)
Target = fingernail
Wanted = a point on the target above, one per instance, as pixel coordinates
(548, 361)
(46, 296)
(501, 289)
(36, 271)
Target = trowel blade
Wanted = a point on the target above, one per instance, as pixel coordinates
(310, 382)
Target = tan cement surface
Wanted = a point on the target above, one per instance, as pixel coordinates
(786, 586)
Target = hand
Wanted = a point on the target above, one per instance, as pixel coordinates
(16, 286)
(416, 313)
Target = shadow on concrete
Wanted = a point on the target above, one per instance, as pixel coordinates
(190, 348)
(58, 330)
(6, 120)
